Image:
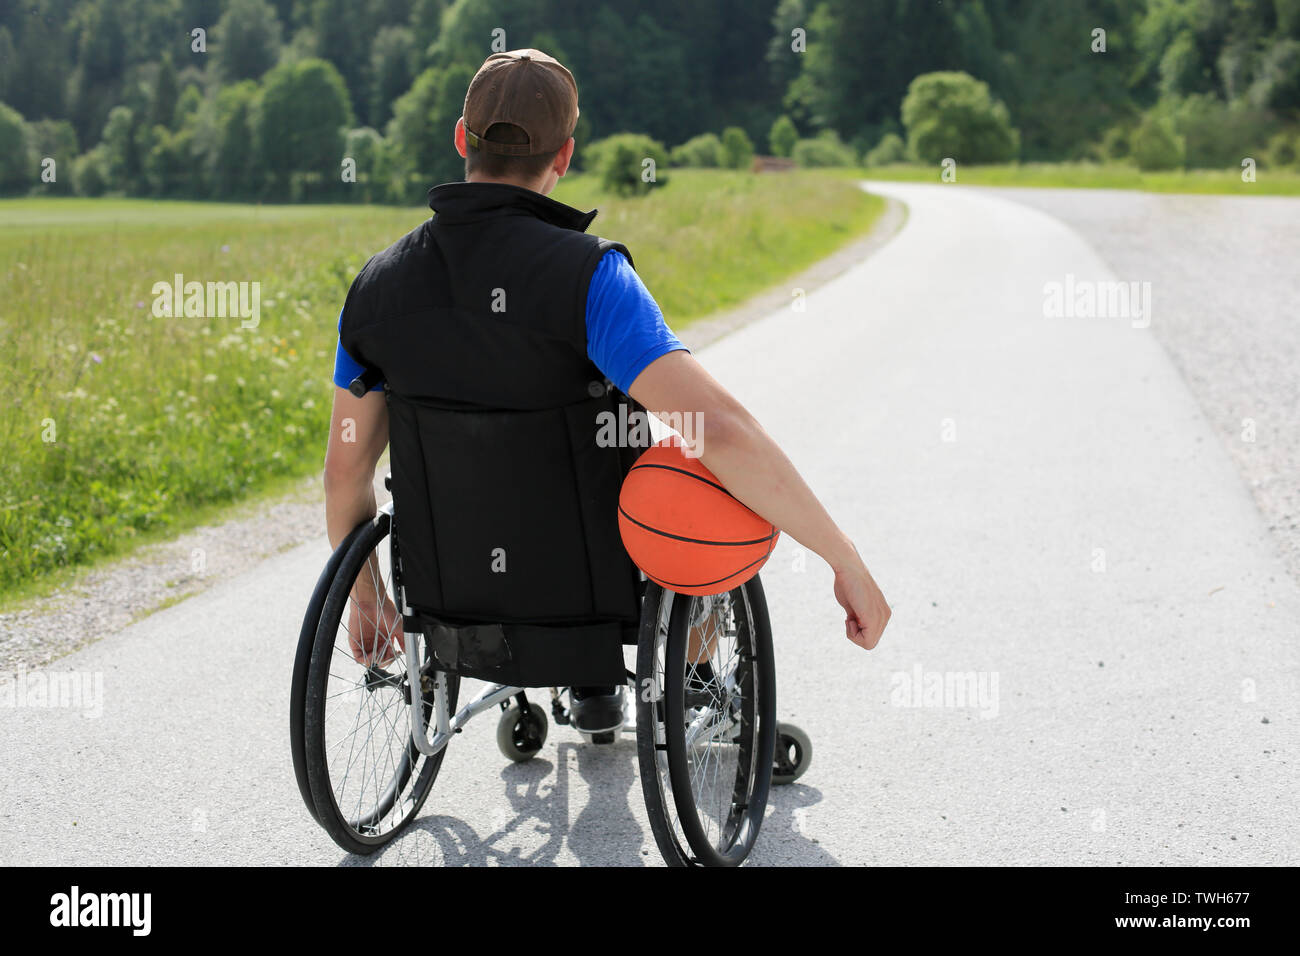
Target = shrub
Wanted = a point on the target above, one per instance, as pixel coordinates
(825, 150)
(1156, 146)
(703, 151)
(951, 114)
(1115, 145)
(737, 148)
(890, 149)
(1216, 135)
(620, 161)
(782, 137)
(1284, 149)
(90, 173)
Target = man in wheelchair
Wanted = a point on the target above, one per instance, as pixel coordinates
(481, 347)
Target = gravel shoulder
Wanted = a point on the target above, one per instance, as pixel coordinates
(1225, 280)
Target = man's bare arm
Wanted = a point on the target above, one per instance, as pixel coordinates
(734, 446)
(358, 435)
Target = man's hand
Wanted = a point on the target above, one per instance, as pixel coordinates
(866, 612)
(374, 632)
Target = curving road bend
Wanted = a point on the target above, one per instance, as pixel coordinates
(1048, 510)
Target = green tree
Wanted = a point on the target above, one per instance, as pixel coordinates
(54, 138)
(232, 161)
(304, 111)
(1182, 70)
(365, 147)
(169, 162)
(737, 148)
(950, 114)
(122, 151)
(162, 109)
(44, 52)
(245, 41)
(344, 32)
(392, 68)
(1277, 83)
(18, 169)
(426, 24)
(188, 105)
(861, 55)
(1063, 95)
(423, 121)
(783, 60)
(782, 137)
(95, 85)
(8, 58)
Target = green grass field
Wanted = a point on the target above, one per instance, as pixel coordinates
(119, 426)
(1268, 182)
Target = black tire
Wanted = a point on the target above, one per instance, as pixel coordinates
(302, 663)
(680, 826)
(395, 784)
(651, 741)
(521, 737)
(720, 788)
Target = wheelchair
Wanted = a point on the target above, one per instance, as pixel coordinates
(368, 739)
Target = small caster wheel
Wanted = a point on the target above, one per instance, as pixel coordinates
(604, 737)
(520, 736)
(793, 754)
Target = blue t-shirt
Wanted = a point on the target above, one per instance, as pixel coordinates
(625, 328)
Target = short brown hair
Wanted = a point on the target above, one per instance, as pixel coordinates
(506, 167)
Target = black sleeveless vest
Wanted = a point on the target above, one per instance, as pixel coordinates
(504, 505)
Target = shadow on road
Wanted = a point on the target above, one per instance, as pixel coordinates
(599, 827)
(788, 837)
(587, 802)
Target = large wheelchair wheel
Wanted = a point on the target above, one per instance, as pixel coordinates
(364, 777)
(706, 722)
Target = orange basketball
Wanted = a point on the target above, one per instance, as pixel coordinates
(686, 531)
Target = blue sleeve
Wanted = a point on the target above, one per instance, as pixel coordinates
(346, 368)
(625, 328)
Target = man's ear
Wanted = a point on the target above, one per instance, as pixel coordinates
(564, 157)
(458, 137)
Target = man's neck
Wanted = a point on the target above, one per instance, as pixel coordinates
(535, 186)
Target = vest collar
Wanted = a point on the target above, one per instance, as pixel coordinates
(464, 202)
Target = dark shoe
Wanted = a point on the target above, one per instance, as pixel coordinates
(701, 685)
(596, 710)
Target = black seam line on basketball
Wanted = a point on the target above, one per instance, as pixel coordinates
(688, 474)
(705, 584)
(678, 537)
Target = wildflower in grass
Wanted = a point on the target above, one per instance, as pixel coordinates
(96, 358)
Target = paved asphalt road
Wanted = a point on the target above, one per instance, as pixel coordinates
(1044, 505)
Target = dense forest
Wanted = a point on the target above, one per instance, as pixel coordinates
(271, 99)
